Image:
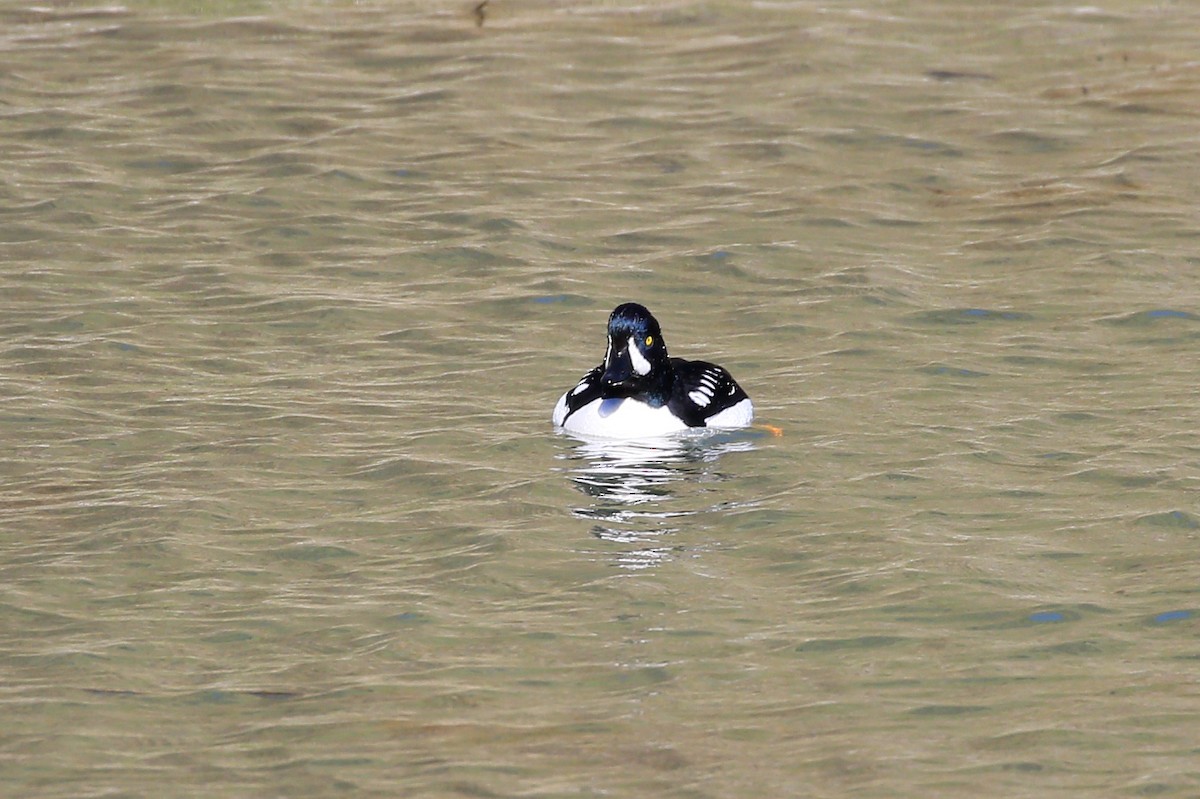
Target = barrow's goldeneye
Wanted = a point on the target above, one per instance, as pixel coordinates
(639, 391)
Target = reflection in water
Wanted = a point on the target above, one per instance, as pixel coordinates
(631, 486)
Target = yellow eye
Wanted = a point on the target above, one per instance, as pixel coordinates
(649, 340)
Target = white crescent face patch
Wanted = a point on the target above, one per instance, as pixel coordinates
(640, 364)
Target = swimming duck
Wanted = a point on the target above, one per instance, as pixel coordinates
(639, 391)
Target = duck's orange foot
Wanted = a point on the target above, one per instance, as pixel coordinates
(770, 428)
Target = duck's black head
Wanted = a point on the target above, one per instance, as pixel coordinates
(637, 356)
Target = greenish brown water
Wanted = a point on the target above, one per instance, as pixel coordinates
(290, 289)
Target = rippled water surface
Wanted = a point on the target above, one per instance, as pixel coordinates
(289, 289)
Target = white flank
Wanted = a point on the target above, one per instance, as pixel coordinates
(560, 411)
(700, 397)
(738, 415)
(640, 364)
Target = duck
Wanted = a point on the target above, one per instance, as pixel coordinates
(639, 391)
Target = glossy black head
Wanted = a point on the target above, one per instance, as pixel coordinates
(637, 356)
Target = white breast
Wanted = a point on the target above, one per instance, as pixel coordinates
(620, 418)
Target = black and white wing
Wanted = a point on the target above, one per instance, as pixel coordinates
(703, 391)
(588, 389)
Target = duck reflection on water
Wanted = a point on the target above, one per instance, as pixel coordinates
(638, 490)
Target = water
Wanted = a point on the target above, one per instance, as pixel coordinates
(289, 291)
